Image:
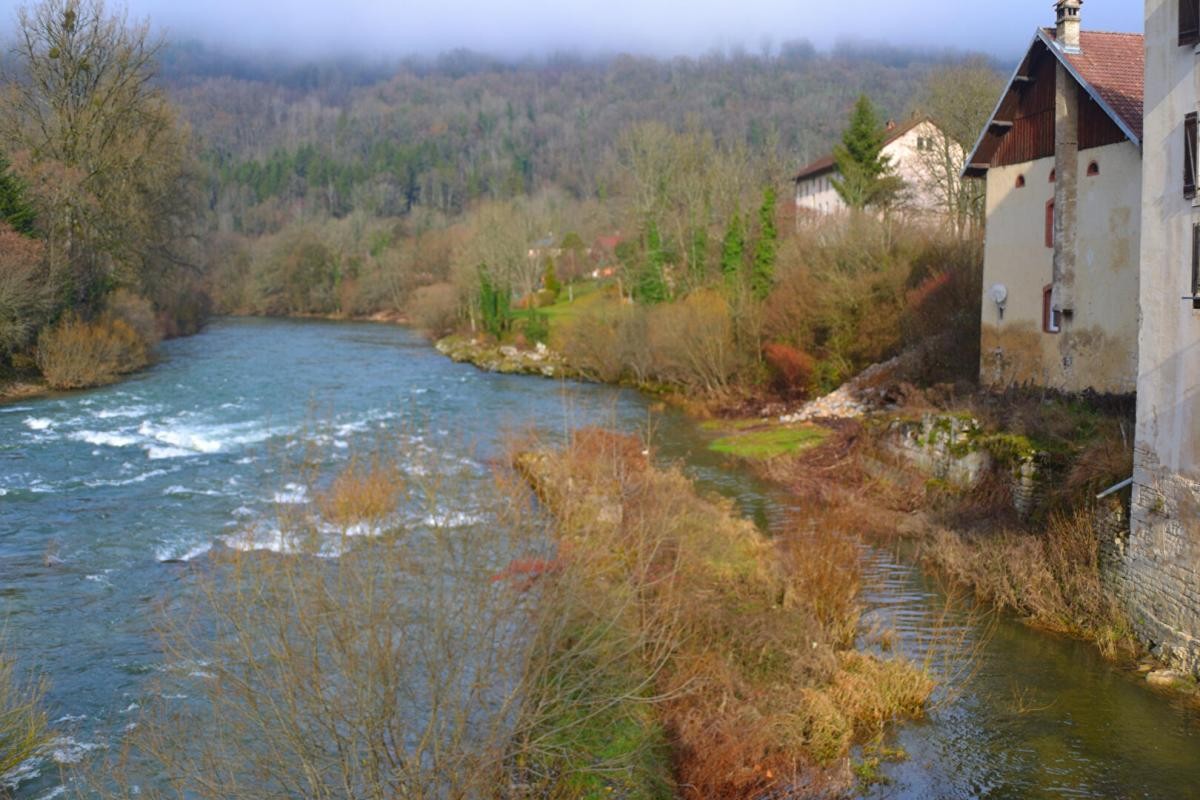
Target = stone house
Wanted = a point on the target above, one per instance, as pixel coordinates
(906, 145)
(1062, 159)
(1160, 570)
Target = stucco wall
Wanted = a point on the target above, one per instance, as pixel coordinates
(817, 195)
(1161, 570)
(1097, 348)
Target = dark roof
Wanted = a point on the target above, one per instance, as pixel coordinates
(1109, 67)
(823, 165)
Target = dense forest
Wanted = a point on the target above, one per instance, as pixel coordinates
(335, 137)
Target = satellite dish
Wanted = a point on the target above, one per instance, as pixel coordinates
(999, 294)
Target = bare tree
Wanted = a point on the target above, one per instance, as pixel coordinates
(958, 100)
(98, 145)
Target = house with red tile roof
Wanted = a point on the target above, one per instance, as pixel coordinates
(907, 146)
(1062, 157)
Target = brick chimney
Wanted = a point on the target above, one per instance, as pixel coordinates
(1067, 32)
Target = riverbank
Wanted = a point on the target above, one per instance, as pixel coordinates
(737, 659)
(1021, 531)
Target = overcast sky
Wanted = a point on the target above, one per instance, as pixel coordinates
(662, 27)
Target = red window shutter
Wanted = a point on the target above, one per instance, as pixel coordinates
(1189, 22)
(1189, 155)
(1050, 320)
(1050, 224)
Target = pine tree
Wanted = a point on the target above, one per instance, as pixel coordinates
(864, 172)
(762, 277)
(14, 208)
(651, 285)
(733, 251)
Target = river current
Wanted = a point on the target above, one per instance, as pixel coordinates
(107, 496)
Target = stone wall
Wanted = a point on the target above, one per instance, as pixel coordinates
(955, 449)
(1159, 575)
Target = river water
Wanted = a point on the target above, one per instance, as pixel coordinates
(105, 496)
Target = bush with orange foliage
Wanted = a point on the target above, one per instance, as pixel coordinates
(791, 370)
(77, 353)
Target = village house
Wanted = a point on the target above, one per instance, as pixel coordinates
(908, 146)
(1062, 158)
(1160, 578)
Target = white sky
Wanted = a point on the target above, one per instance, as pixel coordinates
(661, 27)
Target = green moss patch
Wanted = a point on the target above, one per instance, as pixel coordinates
(762, 445)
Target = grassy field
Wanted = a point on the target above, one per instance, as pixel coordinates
(754, 441)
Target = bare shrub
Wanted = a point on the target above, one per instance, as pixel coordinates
(391, 667)
(435, 309)
(76, 354)
(137, 312)
(692, 343)
(24, 296)
(590, 344)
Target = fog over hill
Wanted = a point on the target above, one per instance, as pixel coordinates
(590, 27)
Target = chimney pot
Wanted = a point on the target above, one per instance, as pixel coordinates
(1067, 30)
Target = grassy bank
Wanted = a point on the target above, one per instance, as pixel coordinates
(736, 660)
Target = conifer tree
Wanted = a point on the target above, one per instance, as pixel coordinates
(651, 285)
(14, 209)
(864, 173)
(762, 276)
(733, 251)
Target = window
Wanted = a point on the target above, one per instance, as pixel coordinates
(1196, 267)
(1050, 224)
(1051, 319)
(1020, 181)
(1189, 22)
(1189, 156)
(1093, 169)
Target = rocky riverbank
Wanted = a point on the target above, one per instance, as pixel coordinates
(506, 359)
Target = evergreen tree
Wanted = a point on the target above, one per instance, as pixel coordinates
(651, 285)
(14, 209)
(733, 251)
(550, 279)
(762, 277)
(864, 173)
(495, 304)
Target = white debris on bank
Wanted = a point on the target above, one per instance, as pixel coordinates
(871, 390)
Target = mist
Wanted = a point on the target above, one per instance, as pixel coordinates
(371, 28)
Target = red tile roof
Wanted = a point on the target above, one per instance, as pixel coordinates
(1113, 63)
(823, 165)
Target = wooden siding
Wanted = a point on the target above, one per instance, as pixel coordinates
(1031, 110)
(1096, 128)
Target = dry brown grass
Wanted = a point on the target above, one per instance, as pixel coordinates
(749, 663)
(368, 490)
(1052, 579)
(24, 728)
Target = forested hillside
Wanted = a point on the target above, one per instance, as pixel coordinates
(329, 138)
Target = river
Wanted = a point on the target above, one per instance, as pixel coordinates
(105, 497)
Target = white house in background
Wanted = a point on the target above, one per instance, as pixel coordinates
(906, 146)
(1063, 163)
(1161, 560)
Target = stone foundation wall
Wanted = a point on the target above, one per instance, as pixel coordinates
(1159, 577)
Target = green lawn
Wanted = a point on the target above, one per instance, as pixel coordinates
(762, 445)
